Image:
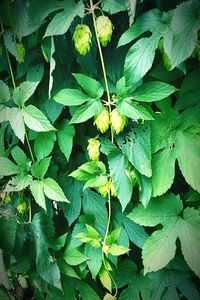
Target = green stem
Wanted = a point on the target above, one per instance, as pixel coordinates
(102, 64)
(29, 147)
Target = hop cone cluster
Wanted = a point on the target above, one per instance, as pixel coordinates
(105, 189)
(104, 29)
(82, 39)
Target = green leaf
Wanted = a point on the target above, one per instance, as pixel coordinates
(160, 248)
(96, 181)
(73, 257)
(17, 123)
(117, 165)
(185, 25)
(4, 113)
(8, 229)
(89, 170)
(42, 229)
(92, 237)
(113, 6)
(150, 20)
(23, 92)
(44, 143)
(20, 158)
(105, 279)
(87, 293)
(95, 259)
(137, 147)
(153, 91)
(188, 149)
(92, 87)
(35, 119)
(117, 250)
(113, 237)
(37, 191)
(66, 134)
(133, 110)
(52, 66)
(71, 97)
(53, 191)
(140, 58)
(163, 170)
(16, 49)
(188, 233)
(60, 242)
(18, 183)
(4, 92)
(40, 168)
(145, 191)
(87, 111)
(7, 167)
(160, 210)
(62, 20)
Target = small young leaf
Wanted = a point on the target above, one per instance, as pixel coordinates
(23, 92)
(73, 257)
(71, 97)
(7, 167)
(66, 134)
(53, 191)
(92, 87)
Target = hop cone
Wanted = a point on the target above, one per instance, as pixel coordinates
(82, 39)
(117, 121)
(104, 29)
(93, 149)
(104, 190)
(102, 120)
(113, 189)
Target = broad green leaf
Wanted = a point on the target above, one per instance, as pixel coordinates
(15, 48)
(35, 119)
(95, 259)
(23, 92)
(37, 191)
(40, 168)
(185, 25)
(71, 97)
(113, 6)
(160, 247)
(153, 91)
(67, 269)
(89, 169)
(62, 20)
(92, 87)
(150, 20)
(60, 242)
(113, 237)
(145, 190)
(133, 110)
(4, 113)
(160, 210)
(87, 293)
(66, 134)
(4, 92)
(53, 191)
(117, 250)
(73, 191)
(8, 230)
(87, 111)
(188, 149)
(188, 233)
(17, 123)
(74, 257)
(163, 170)
(18, 183)
(168, 283)
(7, 167)
(42, 230)
(94, 205)
(105, 279)
(117, 165)
(92, 237)
(140, 58)
(137, 147)
(96, 181)
(20, 158)
(44, 143)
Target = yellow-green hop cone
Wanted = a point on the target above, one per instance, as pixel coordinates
(104, 29)
(93, 149)
(109, 297)
(102, 120)
(22, 207)
(104, 190)
(113, 189)
(117, 121)
(82, 39)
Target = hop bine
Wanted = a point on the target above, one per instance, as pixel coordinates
(82, 39)
(104, 30)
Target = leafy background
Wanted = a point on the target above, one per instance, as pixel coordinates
(51, 226)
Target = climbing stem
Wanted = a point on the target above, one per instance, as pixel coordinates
(92, 9)
(29, 147)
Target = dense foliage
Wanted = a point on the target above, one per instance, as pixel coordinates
(99, 150)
